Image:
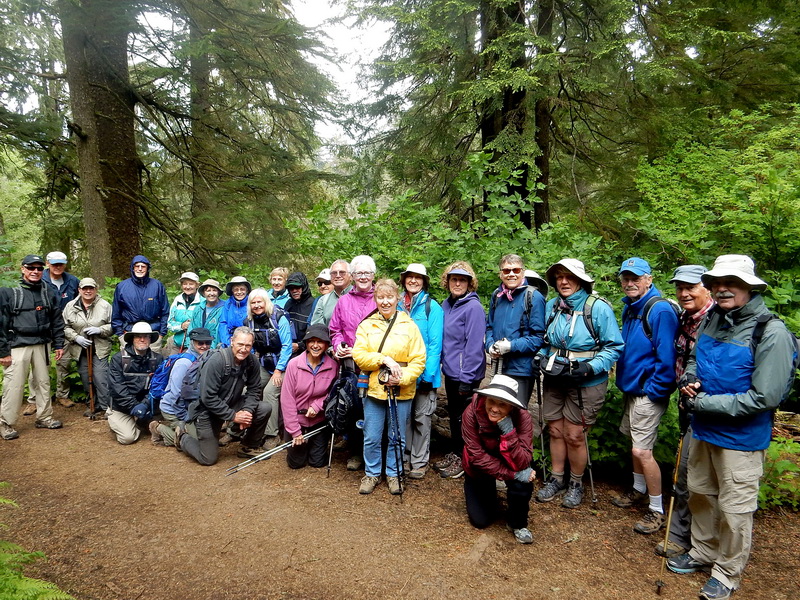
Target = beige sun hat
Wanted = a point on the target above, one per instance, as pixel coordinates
(740, 266)
(210, 283)
(140, 328)
(574, 266)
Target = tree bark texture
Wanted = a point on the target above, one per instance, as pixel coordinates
(95, 36)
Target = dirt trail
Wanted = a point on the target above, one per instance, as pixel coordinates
(143, 522)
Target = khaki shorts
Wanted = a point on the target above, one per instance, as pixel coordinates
(562, 402)
(640, 420)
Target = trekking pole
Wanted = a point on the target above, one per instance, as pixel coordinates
(684, 426)
(265, 455)
(330, 453)
(90, 355)
(541, 424)
(586, 441)
(391, 395)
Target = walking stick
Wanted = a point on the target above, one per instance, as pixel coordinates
(391, 394)
(90, 357)
(541, 424)
(586, 442)
(330, 453)
(683, 420)
(269, 453)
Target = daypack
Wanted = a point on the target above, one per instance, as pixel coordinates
(644, 316)
(270, 358)
(342, 403)
(526, 309)
(160, 379)
(587, 316)
(190, 388)
(16, 307)
(758, 333)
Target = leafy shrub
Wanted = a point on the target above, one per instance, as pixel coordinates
(780, 485)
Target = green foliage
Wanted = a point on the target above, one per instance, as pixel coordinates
(780, 485)
(13, 583)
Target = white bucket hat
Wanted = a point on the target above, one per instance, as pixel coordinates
(140, 328)
(416, 269)
(740, 266)
(574, 266)
(503, 388)
(189, 275)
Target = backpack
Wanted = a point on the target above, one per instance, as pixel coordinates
(644, 316)
(758, 333)
(587, 316)
(190, 388)
(342, 402)
(160, 379)
(270, 358)
(526, 309)
(19, 297)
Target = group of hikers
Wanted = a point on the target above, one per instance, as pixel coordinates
(258, 368)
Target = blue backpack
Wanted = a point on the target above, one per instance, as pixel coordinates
(160, 379)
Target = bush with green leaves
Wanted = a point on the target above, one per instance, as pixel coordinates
(780, 485)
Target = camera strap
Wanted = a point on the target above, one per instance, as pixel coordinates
(388, 329)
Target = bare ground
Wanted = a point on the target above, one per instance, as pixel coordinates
(144, 522)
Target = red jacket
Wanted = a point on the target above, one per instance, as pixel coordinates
(302, 389)
(487, 453)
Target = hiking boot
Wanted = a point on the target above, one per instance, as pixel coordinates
(368, 483)
(522, 535)
(672, 550)
(29, 410)
(418, 473)
(573, 496)
(271, 442)
(631, 498)
(7, 432)
(685, 563)
(355, 463)
(180, 431)
(65, 402)
(454, 471)
(445, 462)
(247, 451)
(650, 523)
(714, 589)
(394, 486)
(551, 490)
(49, 424)
(155, 437)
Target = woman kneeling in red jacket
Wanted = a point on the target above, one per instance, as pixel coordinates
(498, 438)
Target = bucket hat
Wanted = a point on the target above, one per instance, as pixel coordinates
(691, 274)
(319, 331)
(502, 387)
(201, 334)
(237, 280)
(740, 266)
(210, 283)
(140, 328)
(536, 280)
(574, 266)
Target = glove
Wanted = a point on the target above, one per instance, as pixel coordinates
(580, 369)
(92, 331)
(688, 379)
(524, 476)
(501, 347)
(506, 425)
(424, 387)
(464, 389)
(83, 342)
(141, 411)
(687, 404)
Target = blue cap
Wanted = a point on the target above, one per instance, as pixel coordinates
(636, 265)
(688, 274)
(459, 272)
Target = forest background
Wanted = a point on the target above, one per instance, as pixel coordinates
(185, 130)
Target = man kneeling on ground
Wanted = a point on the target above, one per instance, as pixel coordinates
(230, 390)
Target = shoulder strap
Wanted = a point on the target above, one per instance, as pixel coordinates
(428, 307)
(17, 300)
(587, 316)
(758, 330)
(648, 307)
(388, 329)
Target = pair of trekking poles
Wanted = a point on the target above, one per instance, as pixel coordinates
(269, 453)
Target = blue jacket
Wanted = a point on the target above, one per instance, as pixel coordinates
(234, 313)
(280, 299)
(431, 326)
(507, 320)
(68, 290)
(210, 321)
(609, 343)
(463, 358)
(139, 299)
(647, 367)
(739, 389)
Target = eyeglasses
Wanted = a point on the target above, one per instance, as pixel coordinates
(321, 283)
(515, 270)
(361, 274)
(338, 272)
(34, 268)
(199, 343)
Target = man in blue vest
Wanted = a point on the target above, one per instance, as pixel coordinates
(732, 384)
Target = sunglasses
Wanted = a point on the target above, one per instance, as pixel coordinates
(34, 268)
(321, 283)
(515, 270)
(199, 343)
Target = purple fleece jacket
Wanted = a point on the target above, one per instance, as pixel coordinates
(463, 358)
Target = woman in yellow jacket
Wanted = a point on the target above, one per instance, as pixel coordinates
(400, 353)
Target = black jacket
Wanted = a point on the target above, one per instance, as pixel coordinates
(129, 376)
(299, 310)
(222, 386)
(38, 320)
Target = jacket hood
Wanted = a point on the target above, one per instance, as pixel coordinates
(140, 259)
(299, 279)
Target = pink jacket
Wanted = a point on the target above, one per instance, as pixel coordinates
(349, 312)
(302, 389)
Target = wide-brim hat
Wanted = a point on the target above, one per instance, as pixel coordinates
(238, 280)
(740, 266)
(319, 331)
(574, 266)
(503, 387)
(190, 276)
(536, 280)
(210, 283)
(201, 334)
(416, 269)
(140, 328)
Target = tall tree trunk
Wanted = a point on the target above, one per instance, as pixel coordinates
(200, 72)
(542, 119)
(95, 35)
